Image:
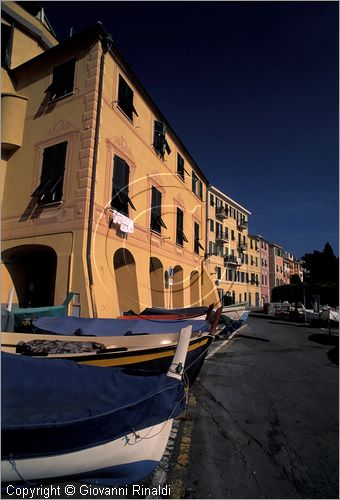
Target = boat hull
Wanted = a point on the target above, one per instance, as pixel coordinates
(122, 461)
(156, 358)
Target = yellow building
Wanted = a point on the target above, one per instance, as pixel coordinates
(100, 196)
(227, 244)
(254, 271)
(275, 266)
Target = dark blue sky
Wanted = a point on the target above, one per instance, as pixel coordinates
(252, 90)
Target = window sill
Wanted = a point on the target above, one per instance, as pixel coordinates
(155, 233)
(125, 115)
(54, 204)
(182, 179)
(61, 97)
(197, 196)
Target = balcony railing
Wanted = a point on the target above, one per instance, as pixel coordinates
(242, 225)
(221, 213)
(221, 238)
(243, 247)
(231, 260)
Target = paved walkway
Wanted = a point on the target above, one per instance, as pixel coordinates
(265, 418)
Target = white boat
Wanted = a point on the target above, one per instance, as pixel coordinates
(235, 311)
(329, 314)
(64, 421)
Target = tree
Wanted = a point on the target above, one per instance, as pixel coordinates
(321, 267)
(322, 274)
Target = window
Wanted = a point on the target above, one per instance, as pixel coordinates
(219, 230)
(232, 235)
(197, 186)
(63, 78)
(159, 141)
(6, 44)
(197, 244)
(120, 186)
(50, 189)
(211, 200)
(219, 249)
(180, 236)
(218, 273)
(156, 211)
(226, 233)
(180, 166)
(212, 248)
(211, 224)
(125, 98)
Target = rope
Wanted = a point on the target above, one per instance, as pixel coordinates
(14, 467)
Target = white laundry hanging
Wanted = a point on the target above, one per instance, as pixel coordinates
(126, 225)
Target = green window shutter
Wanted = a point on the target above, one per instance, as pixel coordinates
(120, 186)
(125, 98)
(50, 189)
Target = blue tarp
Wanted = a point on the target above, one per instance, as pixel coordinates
(56, 406)
(115, 327)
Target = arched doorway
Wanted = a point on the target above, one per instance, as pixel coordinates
(33, 272)
(156, 282)
(177, 289)
(195, 289)
(126, 280)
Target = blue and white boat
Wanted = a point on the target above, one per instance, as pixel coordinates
(63, 421)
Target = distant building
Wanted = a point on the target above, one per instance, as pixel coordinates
(275, 265)
(254, 271)
(264, 266)
(227, 245)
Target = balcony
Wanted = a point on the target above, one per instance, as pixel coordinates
(13, 112)
(221, 213)
(221, 238)
(242, 247)
(242, 225)
(231, 260)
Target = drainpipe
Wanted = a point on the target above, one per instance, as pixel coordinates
(106, 45)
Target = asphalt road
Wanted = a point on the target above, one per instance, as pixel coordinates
(264, 418)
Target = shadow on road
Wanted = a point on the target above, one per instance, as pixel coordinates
(289, 323)
(331, 340)
(324, 339)
(252, 338)
(333, 355)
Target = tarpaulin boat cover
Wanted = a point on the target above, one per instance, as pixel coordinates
(193, 311)
(57, 406)
(115, 327)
